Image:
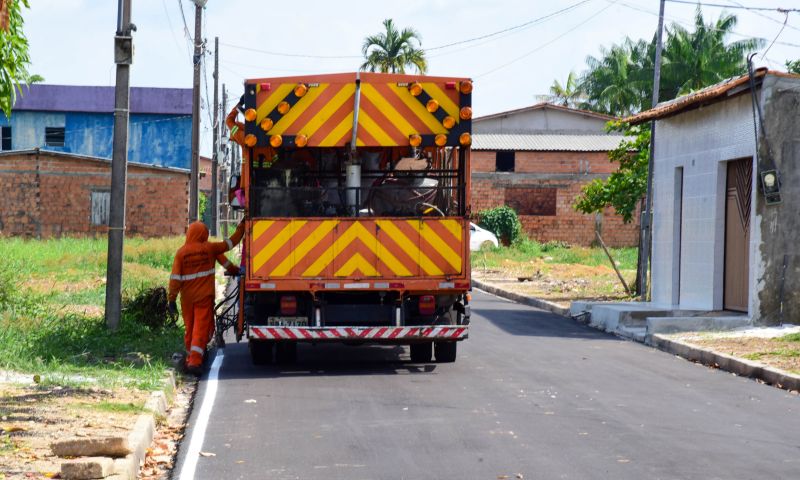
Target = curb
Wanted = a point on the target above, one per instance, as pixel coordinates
(739, 366)
(524, 299)
(143, 431)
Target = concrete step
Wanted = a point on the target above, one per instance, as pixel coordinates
(637, 334)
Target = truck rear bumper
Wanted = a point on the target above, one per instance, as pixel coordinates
(362, 334)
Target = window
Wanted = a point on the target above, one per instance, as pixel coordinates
(504, 161)
(5, 138)
(54, 136)
(101, 205)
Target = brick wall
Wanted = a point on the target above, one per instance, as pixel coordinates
(540, 176)
(47, 195)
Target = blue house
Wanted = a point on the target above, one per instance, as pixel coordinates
(80, 120)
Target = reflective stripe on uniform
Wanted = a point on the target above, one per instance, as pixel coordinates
(229, 243)
(191, 276)
(198, 349)
(227, 264)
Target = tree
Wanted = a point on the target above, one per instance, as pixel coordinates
(14, 58)
(793, 66)
(393, 50)
(625, 187)
(620, 81)
(694, 60)
(617, 83)
(568, 95)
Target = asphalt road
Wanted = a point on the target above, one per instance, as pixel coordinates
(532, 396)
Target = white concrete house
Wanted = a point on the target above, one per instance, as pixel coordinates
(719, 243)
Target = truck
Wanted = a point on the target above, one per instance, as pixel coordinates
(356, 194)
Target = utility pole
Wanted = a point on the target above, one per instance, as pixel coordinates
(646, 233)
(194, 199)
(123, 57)
(226, 171)
(215, 153)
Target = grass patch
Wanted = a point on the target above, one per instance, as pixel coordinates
(792, 337)
(782, 353)
(51, 323)
(553, 252)
(113, 407)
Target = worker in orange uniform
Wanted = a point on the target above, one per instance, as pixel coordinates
(193, 277)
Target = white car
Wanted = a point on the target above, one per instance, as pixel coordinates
(481, 238)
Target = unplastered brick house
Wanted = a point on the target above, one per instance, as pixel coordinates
(55, 161)
(536, 160)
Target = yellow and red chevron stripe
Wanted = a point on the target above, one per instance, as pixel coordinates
(352, 248)
(387, 116)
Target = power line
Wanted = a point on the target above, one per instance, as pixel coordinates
(186, 30)
(737, 7)
(514, 28)
(509, 29)
(768, 17)
(169, 22)
(592, 17)
(776, 37)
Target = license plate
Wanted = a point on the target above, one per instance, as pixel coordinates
(287, 321)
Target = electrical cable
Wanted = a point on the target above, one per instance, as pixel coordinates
(767, 17)
(186, 30)
(776, 37)
(740, 7)
(592, 17)
(169, 22)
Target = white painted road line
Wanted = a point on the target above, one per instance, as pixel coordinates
(199, 432)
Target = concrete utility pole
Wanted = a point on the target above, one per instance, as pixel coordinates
(123, 57)
(215, 154)
(194, 198)
(226, 171)
(646, 233)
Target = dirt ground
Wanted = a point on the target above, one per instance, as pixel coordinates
(560, 283)
(31, 417)
(769, 351)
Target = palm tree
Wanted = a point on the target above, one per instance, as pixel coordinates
(617, 83)
(393, 50)
(568, 95)
(693, 60)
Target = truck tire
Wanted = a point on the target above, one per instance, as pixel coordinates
(286, 353)
(260, 352)
(421, 352)
(446, 351)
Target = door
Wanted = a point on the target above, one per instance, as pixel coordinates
(737, 234)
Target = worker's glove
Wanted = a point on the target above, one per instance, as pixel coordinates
(234, 270)
(173, 308)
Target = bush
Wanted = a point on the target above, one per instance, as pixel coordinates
(149, 307)
(8, 287)
(503, 222)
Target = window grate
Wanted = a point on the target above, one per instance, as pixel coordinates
(5, 138)
(54, 136)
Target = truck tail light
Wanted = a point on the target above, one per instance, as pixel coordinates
(427, 305)
(288, 305)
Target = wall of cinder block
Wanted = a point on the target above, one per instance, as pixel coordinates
(547, 183)
(44, 195)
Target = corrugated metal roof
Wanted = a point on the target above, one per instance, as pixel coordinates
(535, 142)
(72, 98)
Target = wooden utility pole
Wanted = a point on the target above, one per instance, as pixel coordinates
(194, 199)
(123, 57)
(215, 153)
(646, 233)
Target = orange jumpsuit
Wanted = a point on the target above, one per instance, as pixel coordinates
(193, 277)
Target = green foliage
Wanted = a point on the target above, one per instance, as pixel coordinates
(627, 186)
(8, 287)
(793, 66)
(203, 205)
(502, 221)
(392, 50)
(14, 57)
(792, 337)
(524, 250)
(149, 307)
(567, 95)
(620, 81)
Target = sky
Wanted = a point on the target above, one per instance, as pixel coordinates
(71, 41)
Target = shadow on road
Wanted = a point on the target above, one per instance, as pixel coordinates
(326, 360)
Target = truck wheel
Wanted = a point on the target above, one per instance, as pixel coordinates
(260, 352)
(421, 352)
(446, 351)
(286, 353)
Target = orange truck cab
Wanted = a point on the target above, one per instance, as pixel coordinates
(356, 191)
